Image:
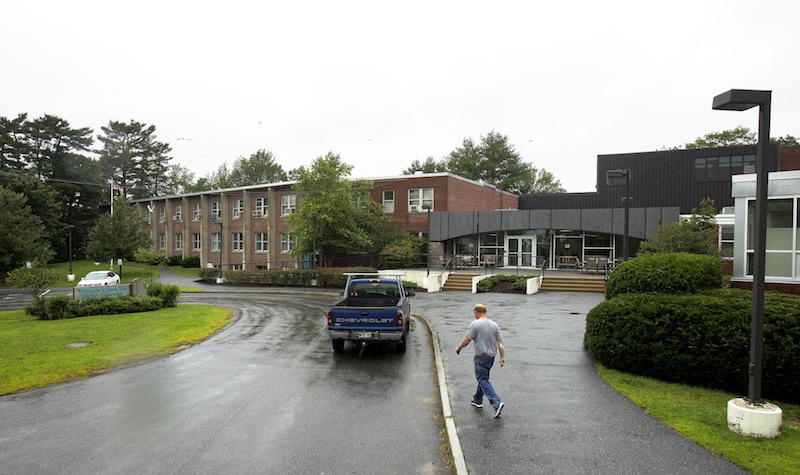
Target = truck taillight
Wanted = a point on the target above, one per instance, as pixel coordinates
(330, 318)
(400, 318)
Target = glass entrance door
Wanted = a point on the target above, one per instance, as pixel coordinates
(520, 251)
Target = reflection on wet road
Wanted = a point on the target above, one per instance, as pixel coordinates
(267, 395)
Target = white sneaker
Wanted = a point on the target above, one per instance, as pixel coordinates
(499, 409)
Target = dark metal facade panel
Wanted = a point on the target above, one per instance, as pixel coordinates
(566, 219)
(637, 226)
(489, 220)
(540, 219)
(515, 219)
(461, 223)
(596, 220)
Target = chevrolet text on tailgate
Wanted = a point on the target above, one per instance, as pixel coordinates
(374, 307)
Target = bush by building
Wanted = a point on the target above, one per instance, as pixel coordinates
(332, 277)
(699, 339)
(665, 273)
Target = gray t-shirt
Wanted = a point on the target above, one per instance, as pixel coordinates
(484, 333)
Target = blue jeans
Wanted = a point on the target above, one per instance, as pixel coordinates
(485, 388)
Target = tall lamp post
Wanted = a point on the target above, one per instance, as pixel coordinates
(427, 208)
(71, 276)
(741, 100)
(613, 177)
(216, 218)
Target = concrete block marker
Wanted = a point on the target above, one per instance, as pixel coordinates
(754, 420)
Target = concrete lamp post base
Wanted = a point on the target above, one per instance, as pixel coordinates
(754, 420)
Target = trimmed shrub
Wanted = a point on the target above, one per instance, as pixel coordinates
(174, 260)
(37, 308)
(58, 307)
(329, 277)
(700, 339)
(167, 293)
(403, 253)
(145, 255)
(665, 273)
(520, 282)
(191, 262)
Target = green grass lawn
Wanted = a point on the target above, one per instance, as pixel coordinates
(701, 415)
(35, 353)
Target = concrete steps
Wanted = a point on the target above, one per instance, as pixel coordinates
(573, 284)
(459, 282)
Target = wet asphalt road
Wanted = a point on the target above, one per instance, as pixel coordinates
(560, 416)
(267, 395)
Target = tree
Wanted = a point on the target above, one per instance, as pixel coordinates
(430, 165)
(118, 235)
(738, 136)
(336, 210)
(260, 167)
(493, 161)
(34, 279)
(696, 235)
(22, 235)
(134, 159)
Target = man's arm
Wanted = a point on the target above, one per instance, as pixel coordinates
(462, 345)
(502, 352)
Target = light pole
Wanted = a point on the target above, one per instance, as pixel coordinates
(70, 227)
(427, 208)
(613, 177)
(740, 100)
(753, 416)
(214, 217)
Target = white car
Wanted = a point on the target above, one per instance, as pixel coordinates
(99, 278)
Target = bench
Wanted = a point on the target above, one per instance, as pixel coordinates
(568, 261)
(596, 264)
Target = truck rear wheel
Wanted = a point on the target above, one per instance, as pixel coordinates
(338, 346)
(401, 346)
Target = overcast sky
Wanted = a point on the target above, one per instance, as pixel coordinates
(385, 83)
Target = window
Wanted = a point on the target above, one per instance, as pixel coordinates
(178, 216)
(215, 242)
(162, 241)
(196, 242)
(419, 197)
(781, 243)
(236, 209)
(162, 214)
(237, 244)
(288, 204)
(721, 168)
(178, 242)
(196, 212)
(287, 242)
(261, 208)
(388, 201)
(147, 217)
(261, 242)
(215, 209)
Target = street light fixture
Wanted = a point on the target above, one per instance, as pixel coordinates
(218, 220)
(614, 177)
(741, 100)
(427, 207)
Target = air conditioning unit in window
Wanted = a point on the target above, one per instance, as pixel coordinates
(414, 208)
(257, 213)
(176, 218)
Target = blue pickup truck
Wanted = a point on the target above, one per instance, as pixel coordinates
(375, 307)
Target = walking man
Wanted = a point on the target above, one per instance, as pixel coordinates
(486, 335)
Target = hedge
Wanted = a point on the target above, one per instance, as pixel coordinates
(60, 307)
(331, 277)
(520, 282)
(665, 273)
(699, 339)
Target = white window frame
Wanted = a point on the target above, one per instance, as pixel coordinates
(215, 209)
(162, 214)
(162, 241)
(215, 242)
(197, 242)
(237, 242)
(388, 203)
(237, 207)
(288, 204)
(179, 241)
(260, 210)
(261, 241)
(287, 243)
(419, 197)
(178, 213)
(197, 212)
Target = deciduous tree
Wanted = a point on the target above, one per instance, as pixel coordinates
(118, 235)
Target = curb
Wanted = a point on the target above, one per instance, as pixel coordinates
(449, 420)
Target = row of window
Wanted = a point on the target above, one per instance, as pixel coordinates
(260, 240)
(722, 168)
(419, 199)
